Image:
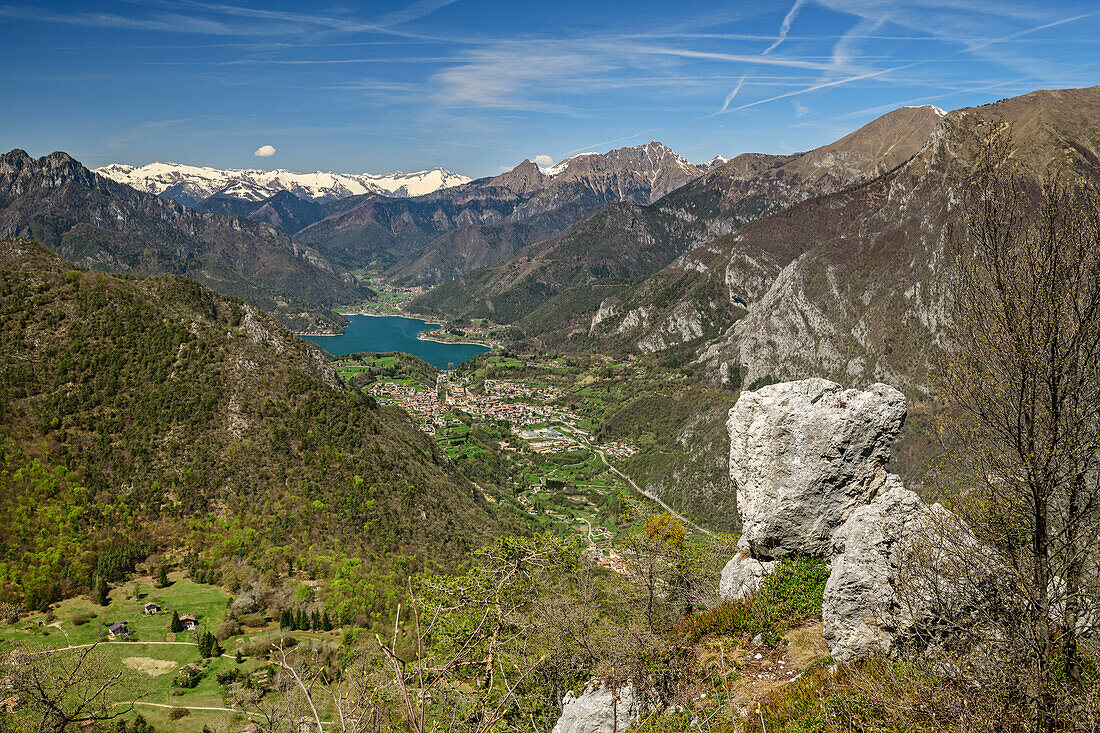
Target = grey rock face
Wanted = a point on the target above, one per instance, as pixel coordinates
(598, 710)
(742, 576)
(809, 462)
(862, 611)
(804, 456)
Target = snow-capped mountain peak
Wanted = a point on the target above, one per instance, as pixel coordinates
(190, 184)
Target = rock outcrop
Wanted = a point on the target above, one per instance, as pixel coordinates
(809, 460)
(804, 456)
(862, 610)
(743, 575)
(599, 709)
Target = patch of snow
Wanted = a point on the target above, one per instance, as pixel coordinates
(933, 107)
(559, 167)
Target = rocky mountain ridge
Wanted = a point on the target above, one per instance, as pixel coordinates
(599, 250)
(101, 224)
(437, 237)
(851, 284)
(189, 184)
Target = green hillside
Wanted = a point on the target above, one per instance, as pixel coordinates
(140, 414)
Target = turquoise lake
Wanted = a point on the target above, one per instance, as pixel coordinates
(396, 333)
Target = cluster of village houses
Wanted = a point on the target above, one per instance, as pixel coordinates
(607, 559)
(520, 404)
(411, 398)
(509, 389)
(498, 402)
(619, 449)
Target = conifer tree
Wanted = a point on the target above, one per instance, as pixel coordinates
(101, 591)
(286, 620)
(175, 627)
(315, 621)
(326, 622)
(162, 577)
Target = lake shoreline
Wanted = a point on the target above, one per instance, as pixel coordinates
(422, 335)
(369, 333)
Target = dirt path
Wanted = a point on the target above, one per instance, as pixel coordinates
(135, 642)
(590, 540)
(198, 707)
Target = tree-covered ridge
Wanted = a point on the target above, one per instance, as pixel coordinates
(101, 224)
(153, 411)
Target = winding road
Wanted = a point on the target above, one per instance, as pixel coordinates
(648, 495)
(577, 436)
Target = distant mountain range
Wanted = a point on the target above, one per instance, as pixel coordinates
(438, 237)
(632, 249)
(573, 272)
(835, 262)
(289, 252)
(190, 184)
(100, 224)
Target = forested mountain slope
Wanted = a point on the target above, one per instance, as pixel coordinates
(98, 223)
(148, 413)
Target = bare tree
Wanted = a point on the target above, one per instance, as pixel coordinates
(1023, 370)
(64, 690)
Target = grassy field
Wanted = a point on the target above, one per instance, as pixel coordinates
(80, 621)
(152, 652)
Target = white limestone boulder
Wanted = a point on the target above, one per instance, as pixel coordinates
(599, 709)
(742, 576)
(805, 455)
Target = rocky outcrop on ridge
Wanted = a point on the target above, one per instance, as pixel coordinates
(862, 610)
(809, 461)
(804, 456)
(599, 710)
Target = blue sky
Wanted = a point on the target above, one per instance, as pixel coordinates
(476, 86)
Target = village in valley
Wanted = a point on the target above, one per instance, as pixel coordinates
(562, 476)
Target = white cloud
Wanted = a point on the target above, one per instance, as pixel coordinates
(544, 160)
(265, 151)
